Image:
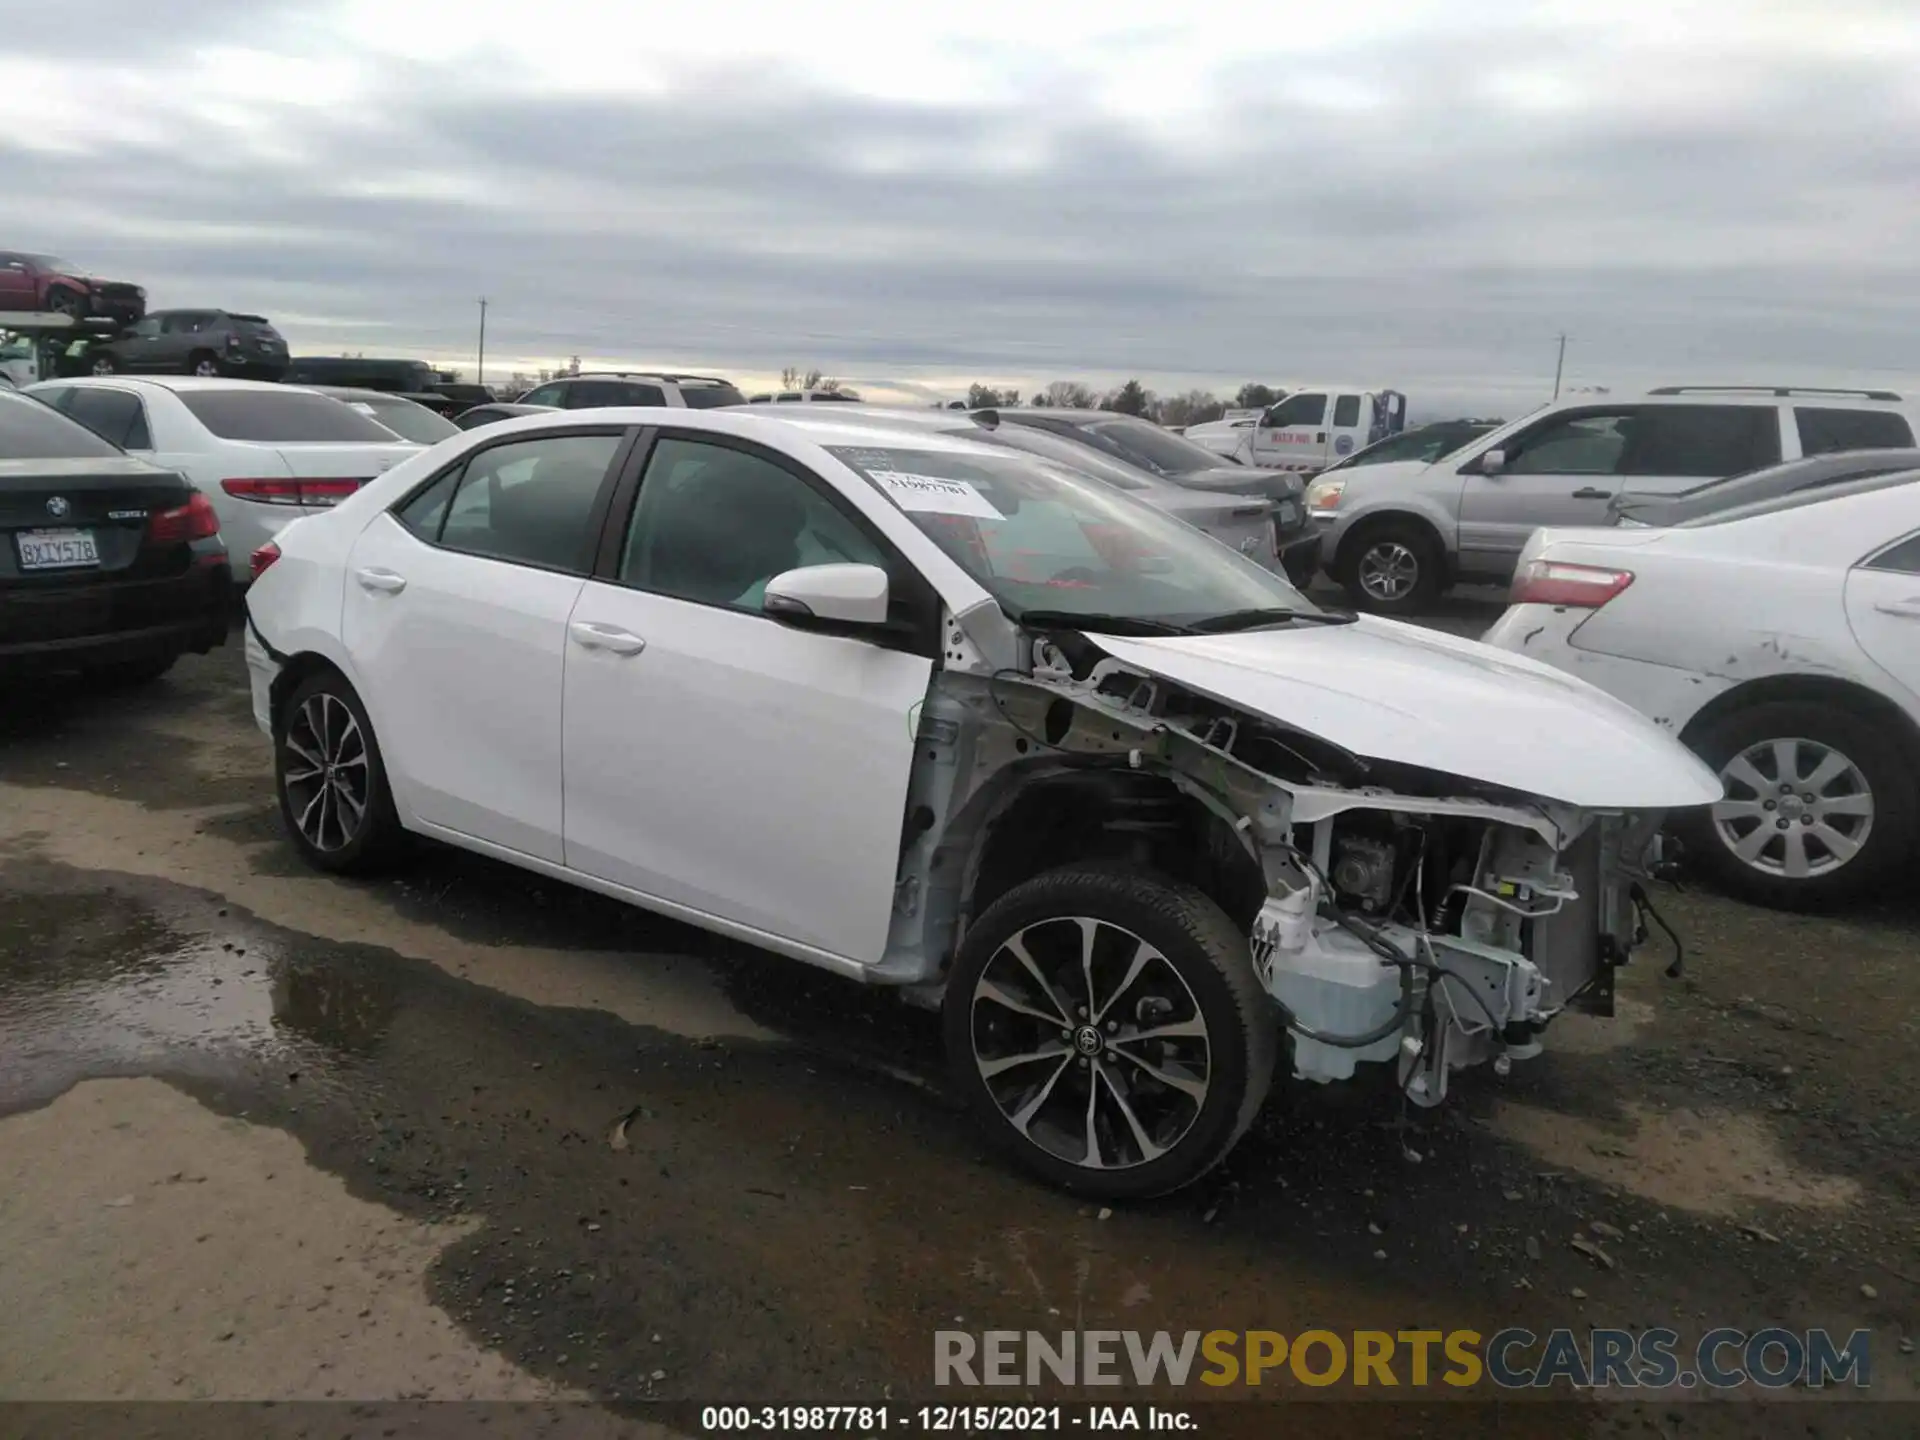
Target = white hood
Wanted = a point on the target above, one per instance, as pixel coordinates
(1388, 691)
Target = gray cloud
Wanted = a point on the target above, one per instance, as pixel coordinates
(1439, 241)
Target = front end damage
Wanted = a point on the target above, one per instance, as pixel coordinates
(1396, 916)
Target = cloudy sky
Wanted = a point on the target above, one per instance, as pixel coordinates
(1396, 192)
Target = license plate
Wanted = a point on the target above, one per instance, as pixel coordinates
(57, 549)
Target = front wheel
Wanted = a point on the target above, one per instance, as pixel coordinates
(1392, 567)
(1107, 1031)
(1820, 805)
(68, 302)
(204, 364)
(333, 787)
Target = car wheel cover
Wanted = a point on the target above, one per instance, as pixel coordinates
(325, 777)
(1091, 1043)
(1795, 809)
(1389, 570)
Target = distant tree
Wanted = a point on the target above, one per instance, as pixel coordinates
(1255, 396)
(1196, 407)
(985, 397)
(1067, 395)
(1132, 398)
(794, 378)
(572, 366)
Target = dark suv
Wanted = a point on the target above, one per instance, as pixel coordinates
(195, 342)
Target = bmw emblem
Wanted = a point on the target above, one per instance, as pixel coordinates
(58, 507)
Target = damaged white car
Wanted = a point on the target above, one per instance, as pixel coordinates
(942, 716)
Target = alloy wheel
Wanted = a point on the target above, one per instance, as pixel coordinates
(1794, 808)
(1389, 571)
(327, 778)
(1090, 1042)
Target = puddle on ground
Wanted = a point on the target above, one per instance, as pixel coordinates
(1714, 1162)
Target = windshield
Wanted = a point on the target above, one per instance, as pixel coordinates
(1141, 442)
(29, 430)
(1040, 537)
(286, 417)
(406, 419)
(1427, 444)
(710, 397)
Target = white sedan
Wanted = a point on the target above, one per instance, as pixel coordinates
(264, 454)
(1781, 641)
(937, 714)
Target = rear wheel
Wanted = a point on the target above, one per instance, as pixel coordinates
(204, 363)
(1107, 1031)
(333, 787)
(1392, 567)
(1820, 805)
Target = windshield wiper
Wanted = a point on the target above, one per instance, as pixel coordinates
(1112, 624)
(1254, 619)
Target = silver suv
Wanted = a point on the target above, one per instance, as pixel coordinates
(1398, 534)
(600, 388)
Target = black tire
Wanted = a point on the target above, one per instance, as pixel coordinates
(1878, 765)
(69, 302)
(205, 362)
(1404, 549)
(1201, 950)
(129, 673)
(345, 845)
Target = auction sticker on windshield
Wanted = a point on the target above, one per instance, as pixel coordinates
(932, 495)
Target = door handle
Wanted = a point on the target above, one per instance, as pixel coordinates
(1907, 609)
(1592, 492)
(385, 581)
(1320, 437)
(591, 636)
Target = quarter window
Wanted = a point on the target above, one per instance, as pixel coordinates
(1824, 431)
(1584, 444)
(529, 501)
(714, 525)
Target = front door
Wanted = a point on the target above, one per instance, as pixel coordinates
(1292, 435)
(455, 617)
(717, 759)
(139, 347)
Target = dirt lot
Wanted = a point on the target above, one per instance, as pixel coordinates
(463, 1133)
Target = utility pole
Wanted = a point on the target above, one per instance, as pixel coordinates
(480, 361)
(1559, 366)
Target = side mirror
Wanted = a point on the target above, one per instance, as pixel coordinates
(1493, 462)
(833, 594)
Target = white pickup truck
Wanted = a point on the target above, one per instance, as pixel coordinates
(1309, 429)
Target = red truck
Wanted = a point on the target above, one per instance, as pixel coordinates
(30, 282)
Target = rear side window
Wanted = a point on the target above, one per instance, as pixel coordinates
(712, 397)
(1824, 431)
(530, 501)
(1703, 440)
(1346, 410)
(591, 394)
(282, 417)
(111, 414)
(30, 430)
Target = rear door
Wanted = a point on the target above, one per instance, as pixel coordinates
(16, 283)
(1292, 435)
(1883, 608)
(182, 333)
(455, 613)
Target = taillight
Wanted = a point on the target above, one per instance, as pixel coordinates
(1581, 587)
(291, 492)
(194, 520)
(263, 557)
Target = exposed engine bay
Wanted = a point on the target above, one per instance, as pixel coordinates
(1396, 916)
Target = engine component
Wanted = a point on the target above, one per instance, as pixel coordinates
(1362, 872)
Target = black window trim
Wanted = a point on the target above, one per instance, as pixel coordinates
(919, 634)
(1872, 562)
(596, 515)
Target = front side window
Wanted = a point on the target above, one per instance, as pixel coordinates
(145, 330)
(112, 415)
(185, 322)
(282, 417)
(1304, 409)
(714, 525)
(545, 395)
(1041, 537)
(1823, 431)
(30, 429)
(1586, 444)
(528, 501)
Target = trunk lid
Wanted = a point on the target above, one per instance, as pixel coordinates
(1391, 692)
(55, 514)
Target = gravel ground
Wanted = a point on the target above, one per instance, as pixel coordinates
(465, 1133)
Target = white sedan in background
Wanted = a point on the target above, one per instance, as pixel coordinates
(264, 454)
(1781, 641)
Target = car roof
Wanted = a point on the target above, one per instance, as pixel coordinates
(354, 392)
(654, 376)
(191, 384)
